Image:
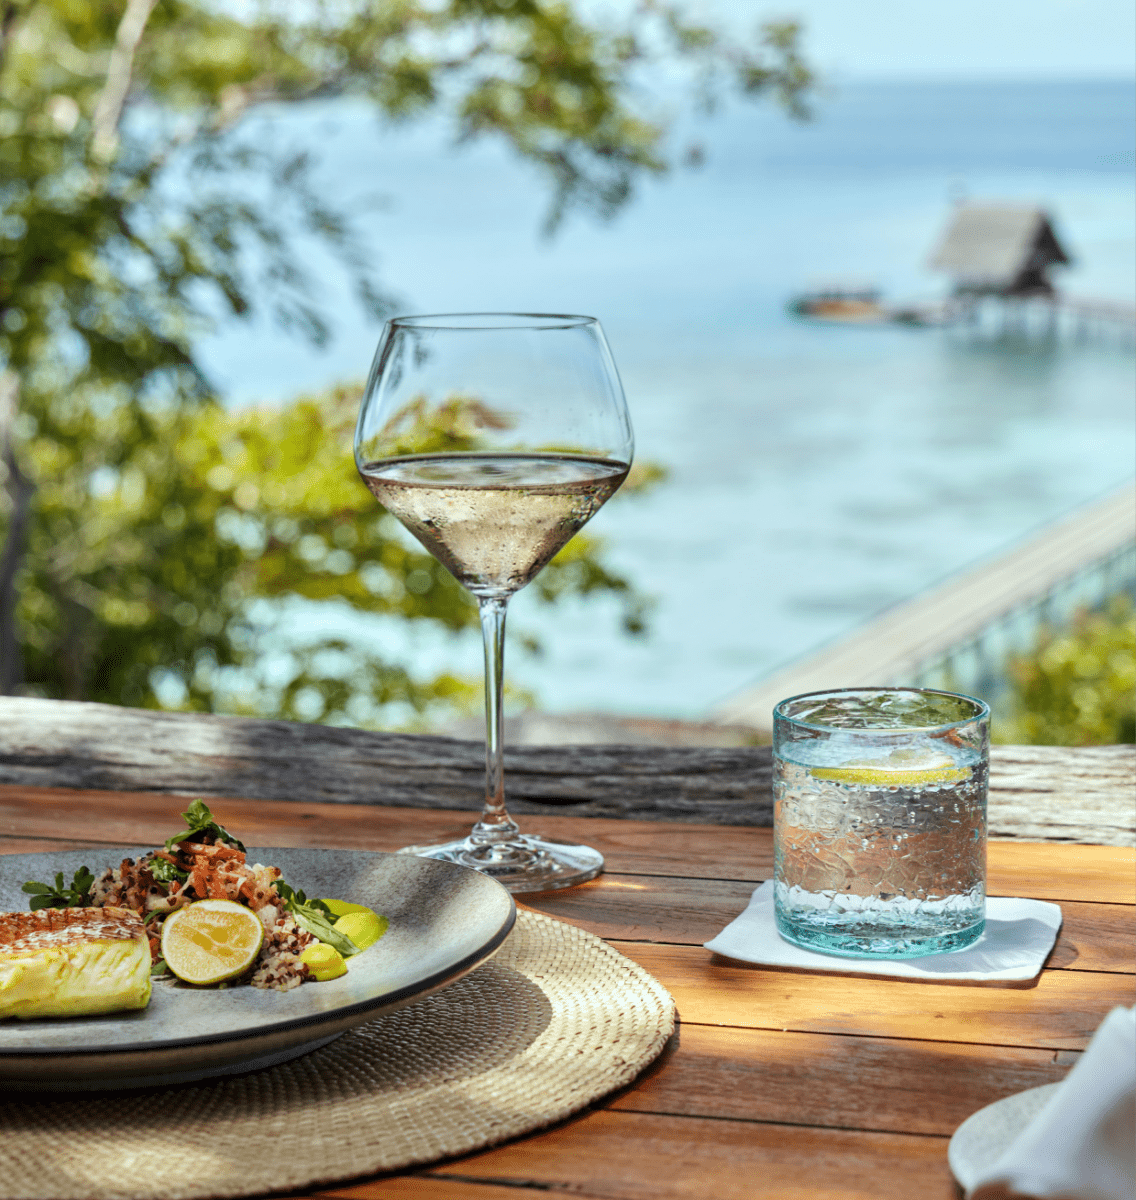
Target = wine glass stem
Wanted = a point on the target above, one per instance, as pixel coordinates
(495, 825)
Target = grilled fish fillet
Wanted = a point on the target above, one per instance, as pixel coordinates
(71, 962)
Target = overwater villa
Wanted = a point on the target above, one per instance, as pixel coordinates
(1001, 250)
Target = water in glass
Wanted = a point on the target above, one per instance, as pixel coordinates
(880, 821)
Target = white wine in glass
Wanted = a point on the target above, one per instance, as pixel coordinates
(493, 438)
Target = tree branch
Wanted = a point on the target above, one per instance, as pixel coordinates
(21, 490)
(108, 110)
(8, 16)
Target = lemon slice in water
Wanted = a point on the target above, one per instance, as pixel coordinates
(902, 768)
(211, 940)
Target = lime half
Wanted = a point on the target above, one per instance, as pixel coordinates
(211, 941)
(901, 768)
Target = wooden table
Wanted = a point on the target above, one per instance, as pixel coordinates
(777, 1083)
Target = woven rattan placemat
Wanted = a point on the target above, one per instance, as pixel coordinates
(556, 1020)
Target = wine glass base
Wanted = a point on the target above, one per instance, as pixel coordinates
(525, 863)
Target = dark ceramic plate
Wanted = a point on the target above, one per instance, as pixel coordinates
(444, 921)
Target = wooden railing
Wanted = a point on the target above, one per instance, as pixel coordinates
(1037, 793)
(1080, 559)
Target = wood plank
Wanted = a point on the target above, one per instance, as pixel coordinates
(1050, 871)
(886, 1085)
(425, 1187)
(1096, 937)
(646, 908)
(1061, 1011)
(118, 818)
(635, 1156)
(53, 743)
(659, 908)
(1069, 793)
(126, 818)
(1045, 871)
(1041, 794)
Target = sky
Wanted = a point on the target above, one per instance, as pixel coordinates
(953, 39)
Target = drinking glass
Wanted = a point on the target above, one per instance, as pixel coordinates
(879, 821)
(493, 438)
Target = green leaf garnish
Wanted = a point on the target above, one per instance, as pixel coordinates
(316, 918)
(77, 895)
(199, 820)
(165, 871)
(295, 896)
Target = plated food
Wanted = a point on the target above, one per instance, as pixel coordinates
(444, 921)
(194, 908)
(73, 962)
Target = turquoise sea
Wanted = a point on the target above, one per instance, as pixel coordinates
(817, 473)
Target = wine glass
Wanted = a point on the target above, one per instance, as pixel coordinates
(493, 438)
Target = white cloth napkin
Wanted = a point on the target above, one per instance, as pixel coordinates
(1082, 1145)
(1017, 940)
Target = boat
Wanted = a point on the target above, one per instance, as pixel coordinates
(860, 305)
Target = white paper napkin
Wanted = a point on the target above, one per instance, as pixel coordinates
(1018, 937)
(1082, 1145)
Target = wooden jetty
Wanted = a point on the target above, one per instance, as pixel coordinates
(1042, 316)
(896, 646)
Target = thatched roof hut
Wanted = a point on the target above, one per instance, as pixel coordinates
(999, 249)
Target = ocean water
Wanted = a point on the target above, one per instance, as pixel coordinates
(817, 473)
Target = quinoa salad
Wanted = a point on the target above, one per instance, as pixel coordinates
(205, 863)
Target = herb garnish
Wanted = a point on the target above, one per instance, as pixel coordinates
(165, 871)
(316, 918)
(60, 896)
(199, 820)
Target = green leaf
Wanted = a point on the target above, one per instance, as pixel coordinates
(296, 896)
(77, 895)
(165, 871)
(319, 928)
(82, 884)
(199, 820)
(316, 918)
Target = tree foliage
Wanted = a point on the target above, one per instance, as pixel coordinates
(1078, 686)
(141, 588)
(136, 208)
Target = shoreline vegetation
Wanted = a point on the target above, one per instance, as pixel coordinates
(1077, 685)
(152, 539)
(148, 534)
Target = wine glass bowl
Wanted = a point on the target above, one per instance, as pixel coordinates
(493, 438)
